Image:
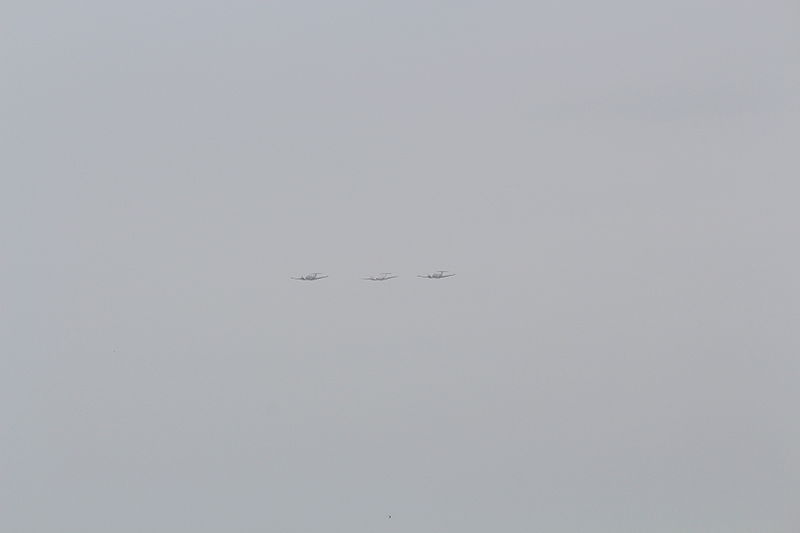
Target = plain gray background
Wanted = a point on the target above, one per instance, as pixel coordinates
(615, 184)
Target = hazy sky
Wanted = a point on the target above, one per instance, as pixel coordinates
(615, 183)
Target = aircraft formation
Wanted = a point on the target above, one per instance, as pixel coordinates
(383, 276)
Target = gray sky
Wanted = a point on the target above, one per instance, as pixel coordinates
(615, 183)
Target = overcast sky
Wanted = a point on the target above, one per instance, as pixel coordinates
(615, 184)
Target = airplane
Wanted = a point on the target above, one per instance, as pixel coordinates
(314, 276)
(383, 276)
(439, 274)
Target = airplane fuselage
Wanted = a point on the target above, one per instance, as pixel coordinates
(438, 275)
(311, 277)
(381, 277)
